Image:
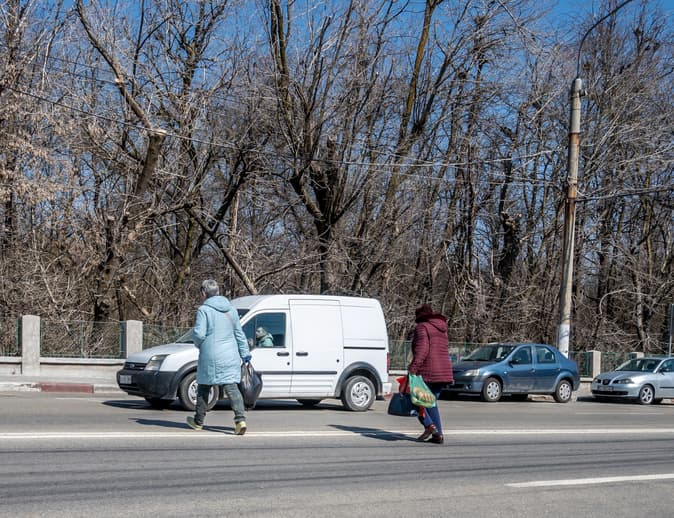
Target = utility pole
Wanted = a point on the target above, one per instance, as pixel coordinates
(566, 288)
(564, 331)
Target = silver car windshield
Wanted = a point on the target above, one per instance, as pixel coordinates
(490, 353)
(639, 365)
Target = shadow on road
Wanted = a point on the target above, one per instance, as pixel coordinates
(162, 423)
(375, 433)
(140, 404)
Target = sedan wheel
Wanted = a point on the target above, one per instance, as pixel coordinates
(491, 390)
(646, 395)
(563, 392)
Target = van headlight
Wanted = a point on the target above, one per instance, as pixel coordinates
(155, 362)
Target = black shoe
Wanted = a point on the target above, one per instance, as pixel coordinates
(428, 431)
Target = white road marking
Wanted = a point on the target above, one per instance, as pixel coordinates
(355, 432)
(591, 481)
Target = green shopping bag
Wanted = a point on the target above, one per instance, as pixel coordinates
(420, 393)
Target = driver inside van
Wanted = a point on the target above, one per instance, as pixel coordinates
(263, 338)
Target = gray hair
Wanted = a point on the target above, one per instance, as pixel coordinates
(210, 288)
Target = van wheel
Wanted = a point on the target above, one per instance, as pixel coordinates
(187, 393)
(358, 394)
(309, 402)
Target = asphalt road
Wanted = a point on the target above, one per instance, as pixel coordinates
(72, 455)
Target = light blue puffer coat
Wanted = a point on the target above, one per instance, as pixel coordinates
(220, 341)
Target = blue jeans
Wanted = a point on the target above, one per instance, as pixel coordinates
(235, 399)
(432, 415)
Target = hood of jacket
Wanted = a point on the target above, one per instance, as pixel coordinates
(218, 303)
(436, 320)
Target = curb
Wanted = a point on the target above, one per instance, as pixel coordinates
(59, 387)
(86, 388)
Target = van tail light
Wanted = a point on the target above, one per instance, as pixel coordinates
(388, 362)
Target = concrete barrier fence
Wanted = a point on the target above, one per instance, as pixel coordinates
(30, 362)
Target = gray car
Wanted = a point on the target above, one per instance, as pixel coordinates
(517, 369)
(647, 380)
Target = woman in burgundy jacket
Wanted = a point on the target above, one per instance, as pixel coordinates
(430, 350)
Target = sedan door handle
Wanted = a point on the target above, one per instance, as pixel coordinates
(282, 353)
(301, 353)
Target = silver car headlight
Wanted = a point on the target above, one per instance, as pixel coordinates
(472, 372)
(625, 381)
(155, 362)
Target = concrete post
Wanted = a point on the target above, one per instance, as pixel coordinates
(131, 337)
(29, 341)
(595, 363)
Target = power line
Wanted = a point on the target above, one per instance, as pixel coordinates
(516, 180)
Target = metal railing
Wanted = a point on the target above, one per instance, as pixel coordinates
(400, 352)
(9, 337)
(80, 339)
(157, 334)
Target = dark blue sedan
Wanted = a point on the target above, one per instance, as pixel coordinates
(516, 369)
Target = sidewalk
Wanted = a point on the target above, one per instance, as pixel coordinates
(108, 384)
(10, 383)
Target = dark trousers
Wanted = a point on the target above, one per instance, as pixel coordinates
(233, 394)
(432, 415)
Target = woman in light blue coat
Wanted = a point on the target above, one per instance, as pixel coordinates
(222, 345)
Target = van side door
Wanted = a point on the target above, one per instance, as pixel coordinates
(317, 350)
(272, 357)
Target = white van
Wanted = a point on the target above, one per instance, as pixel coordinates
(320, 347)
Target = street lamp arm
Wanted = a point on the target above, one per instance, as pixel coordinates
(580, 47)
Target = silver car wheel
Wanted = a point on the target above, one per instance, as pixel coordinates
(646, 395)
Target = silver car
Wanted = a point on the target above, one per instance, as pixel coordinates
(648, 380)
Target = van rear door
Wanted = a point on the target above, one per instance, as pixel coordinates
(318, 353)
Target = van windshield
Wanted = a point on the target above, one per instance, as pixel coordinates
(185, 338)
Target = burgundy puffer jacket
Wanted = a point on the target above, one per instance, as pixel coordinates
(430, 350)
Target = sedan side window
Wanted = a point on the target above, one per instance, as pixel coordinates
(544, 355)
(667, 366)
(522, 356)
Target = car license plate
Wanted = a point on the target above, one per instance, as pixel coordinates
(125, 379)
